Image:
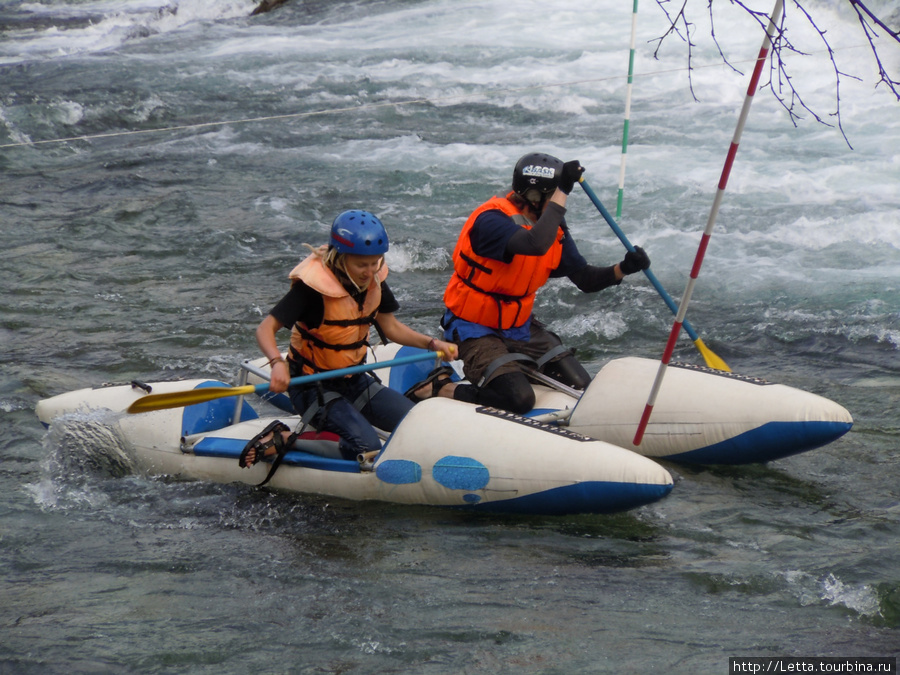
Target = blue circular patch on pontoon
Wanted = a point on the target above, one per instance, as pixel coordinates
(398, 471)
(460, 473)
(471, 499)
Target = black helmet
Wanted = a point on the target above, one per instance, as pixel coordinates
(536, 171)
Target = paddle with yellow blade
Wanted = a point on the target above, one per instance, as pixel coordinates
(179, 399)
(712, 360)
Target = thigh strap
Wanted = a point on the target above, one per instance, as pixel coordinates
(492, 367)
(368, 394)
(524, 359)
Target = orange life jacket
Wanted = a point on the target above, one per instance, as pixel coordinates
(341, 339)
(493, 293)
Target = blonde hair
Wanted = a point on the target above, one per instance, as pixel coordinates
(330, 256)
(334, 260)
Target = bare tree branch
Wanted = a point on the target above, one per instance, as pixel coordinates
(673, 29)
(864, 15)
(781, 81)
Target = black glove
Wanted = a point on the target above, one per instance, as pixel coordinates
(571, 174)
(635, 261)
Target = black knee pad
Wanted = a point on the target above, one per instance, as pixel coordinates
(568, 371)
(513, 392)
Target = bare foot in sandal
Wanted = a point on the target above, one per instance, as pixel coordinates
(267, 443)
(438, 383)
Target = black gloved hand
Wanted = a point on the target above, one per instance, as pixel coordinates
(635, 261)
(571, 174)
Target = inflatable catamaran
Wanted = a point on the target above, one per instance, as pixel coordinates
(703, 416)
(443, 453)
(573, 454)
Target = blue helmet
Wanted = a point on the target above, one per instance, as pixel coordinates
(359, 233)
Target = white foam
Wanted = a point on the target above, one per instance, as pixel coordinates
(416, 254)
(109, 24)
(829, 589)
(799, 203)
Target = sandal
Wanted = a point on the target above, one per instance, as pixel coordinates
(437, 378)
(260, 446)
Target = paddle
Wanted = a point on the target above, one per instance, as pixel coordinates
(179, 399)
(712, 360)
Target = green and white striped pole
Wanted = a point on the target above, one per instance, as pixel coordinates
(628, 88)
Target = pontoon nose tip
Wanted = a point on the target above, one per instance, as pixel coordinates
(833, 422)
(41, 410)
(655, 485)
(845, 415)
(648, 493)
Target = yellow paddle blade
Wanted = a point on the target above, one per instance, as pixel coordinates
(179, 399)
(712, 360)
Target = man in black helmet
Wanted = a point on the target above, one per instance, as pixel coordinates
(507, 250)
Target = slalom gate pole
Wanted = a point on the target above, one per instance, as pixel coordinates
(707, 233)
(627, 124)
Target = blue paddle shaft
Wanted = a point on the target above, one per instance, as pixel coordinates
(352, 370)
(652, 277)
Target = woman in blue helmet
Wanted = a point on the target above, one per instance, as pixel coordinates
(337, 294)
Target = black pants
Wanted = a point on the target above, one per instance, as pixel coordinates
(508, 388)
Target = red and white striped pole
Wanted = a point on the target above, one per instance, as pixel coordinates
(707, 233)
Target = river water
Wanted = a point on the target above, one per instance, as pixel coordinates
(164, 162)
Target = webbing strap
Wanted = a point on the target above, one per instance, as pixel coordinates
(282, 447)
(363, 399)
(558, 350)
(502, 361)
(551, 354)
(322, 401)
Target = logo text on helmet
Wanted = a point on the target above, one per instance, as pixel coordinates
(539, 171)
(344, 237)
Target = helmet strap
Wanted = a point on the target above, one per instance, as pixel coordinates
(338, 265)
